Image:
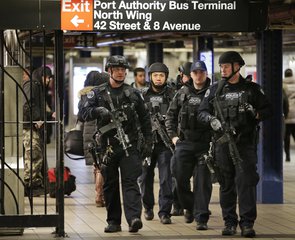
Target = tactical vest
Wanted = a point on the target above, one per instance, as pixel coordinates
(158, 102)
(189, 103)
(124, 104)
(233, 105)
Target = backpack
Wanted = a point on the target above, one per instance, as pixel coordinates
(69, 182)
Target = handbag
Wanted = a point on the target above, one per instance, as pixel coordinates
(73, 143)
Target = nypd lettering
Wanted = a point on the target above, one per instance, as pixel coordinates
(194, 101)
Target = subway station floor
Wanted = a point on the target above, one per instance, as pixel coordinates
(83, 220)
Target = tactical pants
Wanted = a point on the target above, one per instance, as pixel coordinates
(237, 185)
(161, 157)
(130, 170)
(187, 166)
(33, 157)
(176, 202)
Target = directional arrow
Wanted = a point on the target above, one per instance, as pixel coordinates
(75, 20)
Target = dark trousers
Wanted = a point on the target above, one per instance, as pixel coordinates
(176, 202)
(289, 131)
(130, 170)
(187, 166)
(238, 186)
(161, 157)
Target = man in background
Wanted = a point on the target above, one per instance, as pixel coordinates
(139, 78)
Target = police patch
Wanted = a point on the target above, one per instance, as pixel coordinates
(207, 93)
(90, 94)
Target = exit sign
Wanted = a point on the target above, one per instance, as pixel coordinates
(77, 15)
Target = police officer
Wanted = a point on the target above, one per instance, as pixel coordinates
(184, 74)
(113, 104)
(191, 138)
(239, 105)
(157, 98)
(183, 77)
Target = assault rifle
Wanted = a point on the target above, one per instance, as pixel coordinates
(228, 132)
(117, 118)
(157, 118)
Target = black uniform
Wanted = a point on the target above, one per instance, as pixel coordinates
(235, 100)
(194, 138)
(158, 102)
(133, 112)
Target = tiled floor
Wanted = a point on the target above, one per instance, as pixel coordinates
(83, 220)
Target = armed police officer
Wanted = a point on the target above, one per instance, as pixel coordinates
(157, 98)
(122, 121)
(191, 138)
(183, 77)
(233, 107)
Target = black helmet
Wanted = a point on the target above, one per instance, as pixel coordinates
(117, 61)
(185, 68)
(159, 67)
(231, 57)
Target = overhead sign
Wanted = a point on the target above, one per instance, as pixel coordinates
(157, 15)
(77, 15)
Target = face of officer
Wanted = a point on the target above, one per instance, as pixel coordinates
(199, 78)
(117, 75)
(185, 78)
(226, 69)
(158, 79)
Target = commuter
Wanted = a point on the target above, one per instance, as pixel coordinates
(233, 107)
(93, 78)
(191, 139)
(182, 78)
(122, 119)
(139, 79)
(33, 111)
(289, 87)
(157, 98)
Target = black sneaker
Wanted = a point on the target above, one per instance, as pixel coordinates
(248, 231)
(149, 214)
(202, 226)
(177, 212)
(135, 225)
(188, 216)
(111, 228)
(229, 230)
(165, 219)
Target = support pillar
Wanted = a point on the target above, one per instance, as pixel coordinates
(270, 154)
(117, 50)
(155, 53)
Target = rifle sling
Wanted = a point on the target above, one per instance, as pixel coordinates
(107, 128)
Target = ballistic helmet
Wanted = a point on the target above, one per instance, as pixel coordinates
(185, 68)
(231, 57)
(159, 67)
(116, 61)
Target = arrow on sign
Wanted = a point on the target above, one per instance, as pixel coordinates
(75, 20)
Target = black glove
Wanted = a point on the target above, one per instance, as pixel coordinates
(102, 114)
(249, 108)
(146, 151)
(215, 124)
